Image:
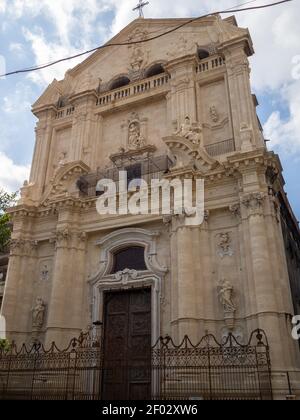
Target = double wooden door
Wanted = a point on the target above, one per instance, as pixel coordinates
(127, 345)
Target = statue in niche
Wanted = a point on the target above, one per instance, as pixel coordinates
(38, 313)
(226, 296)
(214, 116)
(191, 131)
(135, 139)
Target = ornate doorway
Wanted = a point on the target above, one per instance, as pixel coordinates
(127, 345)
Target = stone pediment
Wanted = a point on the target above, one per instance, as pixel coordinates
(186, 154)
(63, 183)
(50, 96)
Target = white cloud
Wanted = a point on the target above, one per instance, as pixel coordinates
(2, 6)
(285, 133)
(12, 176)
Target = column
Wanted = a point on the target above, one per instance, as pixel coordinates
(183, 290)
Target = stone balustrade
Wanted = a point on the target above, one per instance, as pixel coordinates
(65, 112)
(210, 64)
(133, 89)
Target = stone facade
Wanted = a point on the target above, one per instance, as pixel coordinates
(141, 102)
(3, 271)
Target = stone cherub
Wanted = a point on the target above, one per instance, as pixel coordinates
(38, 313)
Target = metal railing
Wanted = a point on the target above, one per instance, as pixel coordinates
(208, 370)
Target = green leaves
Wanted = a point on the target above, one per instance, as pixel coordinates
(4, 346)
(6, 200)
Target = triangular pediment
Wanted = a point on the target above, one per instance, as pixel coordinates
(95, 73)
(64, 182)
(186, 154)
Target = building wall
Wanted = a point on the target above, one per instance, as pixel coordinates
(61, 247)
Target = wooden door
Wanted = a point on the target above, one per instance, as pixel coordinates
(127, 346)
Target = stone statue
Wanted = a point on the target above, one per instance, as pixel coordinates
(191, 131)
(135, 139)
(226, 294)
(38, 313)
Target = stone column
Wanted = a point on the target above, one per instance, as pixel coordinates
(66, 309)
(42, 155)
(245, 126)
(182, 98)
(262, 282)
(183, 290)
(205, 286)
(12, 286)
(25, 292)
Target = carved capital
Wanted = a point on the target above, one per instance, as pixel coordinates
(253, 202)
(235, 210)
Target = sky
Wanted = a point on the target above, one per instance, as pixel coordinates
(38, 31)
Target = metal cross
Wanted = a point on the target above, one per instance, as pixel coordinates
(140, 7)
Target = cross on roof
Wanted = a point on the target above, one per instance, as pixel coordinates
(140, 7)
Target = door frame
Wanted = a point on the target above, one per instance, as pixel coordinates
(103, 281)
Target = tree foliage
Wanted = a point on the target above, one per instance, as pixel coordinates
(6, 201)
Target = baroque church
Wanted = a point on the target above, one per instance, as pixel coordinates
(174, 107)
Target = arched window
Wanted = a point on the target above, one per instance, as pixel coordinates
(120, 82)
(155, 70)
(132, 258)
(202, 54)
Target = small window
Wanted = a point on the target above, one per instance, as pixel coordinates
(155, 70)
(120, 82)
(132, 258)
(202, 54)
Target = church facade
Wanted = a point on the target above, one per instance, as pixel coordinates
(176, 107)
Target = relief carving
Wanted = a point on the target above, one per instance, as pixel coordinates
(214, 115)
(224, 245)
(135, 138)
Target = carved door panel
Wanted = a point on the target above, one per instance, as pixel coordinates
(127, 346)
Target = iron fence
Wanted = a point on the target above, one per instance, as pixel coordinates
(207, 370)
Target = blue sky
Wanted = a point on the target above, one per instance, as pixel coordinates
(38, 31)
